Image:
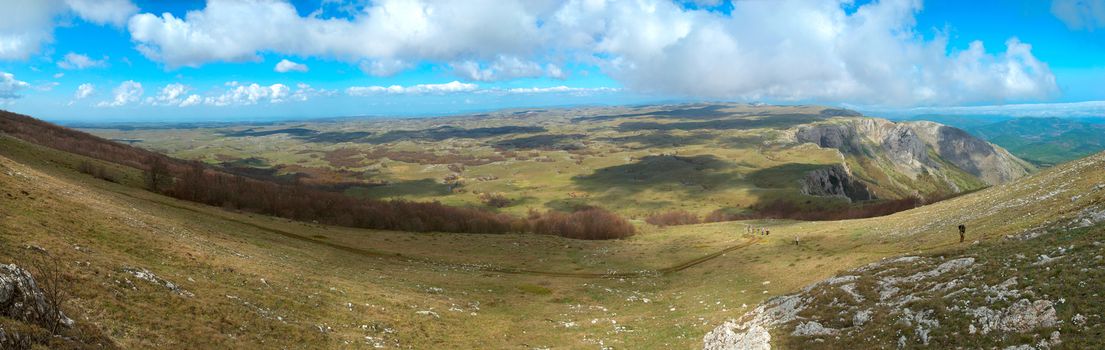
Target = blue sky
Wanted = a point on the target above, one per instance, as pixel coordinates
(123, 60)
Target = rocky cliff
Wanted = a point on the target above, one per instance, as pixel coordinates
(915, 149)
(835, 181)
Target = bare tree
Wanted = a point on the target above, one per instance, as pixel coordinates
(157, 172)
(51, 282)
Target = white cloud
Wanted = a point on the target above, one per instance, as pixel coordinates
(79, 61)
(764, 50)
(385, 31)
(503, 68)
(1068, 109)
(249, 94)
(559, 89)
(304, 92)
(46, 86)
(83, 91)
(450, 87)
(192, 100)
(384, 67)
(1080, 14)
(808, 50)
(285, 66)
(9, 87)
(58, 75)
(114, 12)
(126, 93)
(174, 94)
(25, 26)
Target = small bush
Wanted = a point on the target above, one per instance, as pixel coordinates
(672, 218)
(497, 200)
(97, 171)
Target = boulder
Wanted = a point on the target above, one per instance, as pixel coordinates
(22, 299)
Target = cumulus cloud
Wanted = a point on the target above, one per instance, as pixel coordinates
(305, 92)
(79, 61)
(114, 12)
(811, 50)
(446, 88)
(126, 93)
(764, 50)
(400, 30)
(9, 87)
(192, 100)
(285, 66)
(25, 26)
(249, 94)
(503, 68)
(83, 91)
(174, 94)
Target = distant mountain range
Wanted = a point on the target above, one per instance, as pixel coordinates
(1042, 141)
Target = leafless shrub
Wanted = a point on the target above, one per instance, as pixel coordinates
(672, 218)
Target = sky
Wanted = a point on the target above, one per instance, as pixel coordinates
(240, 60)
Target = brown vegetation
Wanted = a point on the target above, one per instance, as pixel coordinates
(589, 223)
(672, 218)
(344, 158)
(97, 171)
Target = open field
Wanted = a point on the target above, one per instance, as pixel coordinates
(253, 280)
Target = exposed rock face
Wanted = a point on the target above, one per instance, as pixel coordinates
(906, 147)
(837, 181)
(990, 163)
(22, 299)
(891, 302)
(839, 136)
(751, 331)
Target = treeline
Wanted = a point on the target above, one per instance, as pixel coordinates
(204, 185)
(198, 182)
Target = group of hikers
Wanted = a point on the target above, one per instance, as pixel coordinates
(752, 230)
(763, 231)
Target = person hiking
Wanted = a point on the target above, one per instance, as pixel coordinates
(962, 232)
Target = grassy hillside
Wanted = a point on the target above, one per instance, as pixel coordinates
(1034, 283)
(255, 281)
